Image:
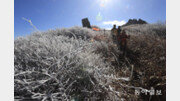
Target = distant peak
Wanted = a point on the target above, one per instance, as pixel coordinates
(135, 21)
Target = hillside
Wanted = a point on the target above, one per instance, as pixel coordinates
(81, 64)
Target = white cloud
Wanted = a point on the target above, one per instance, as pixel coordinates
(108, 28)
(117, 23)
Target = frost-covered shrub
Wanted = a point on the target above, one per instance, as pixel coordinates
(152, 29)
(59, 65)
(81, 64)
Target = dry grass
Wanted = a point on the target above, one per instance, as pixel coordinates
(81, 64)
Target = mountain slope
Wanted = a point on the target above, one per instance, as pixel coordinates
(82, 64)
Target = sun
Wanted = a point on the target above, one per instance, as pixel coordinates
(103, 3)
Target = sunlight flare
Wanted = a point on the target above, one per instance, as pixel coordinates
(103, 3)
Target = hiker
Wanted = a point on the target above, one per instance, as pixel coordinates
(118, 35)
(122, 41)
(119, 30)
(114, 33)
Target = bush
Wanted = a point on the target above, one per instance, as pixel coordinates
(61, 65)
(81, 64)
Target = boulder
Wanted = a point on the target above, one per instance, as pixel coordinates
(86, 23)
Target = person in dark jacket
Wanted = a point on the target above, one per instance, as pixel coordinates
(119, 30)
(118, 35)
(122, 40)
(114, 33)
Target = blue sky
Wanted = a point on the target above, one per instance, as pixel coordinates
(42, 15)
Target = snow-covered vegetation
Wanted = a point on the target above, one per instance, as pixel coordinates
(81, 64)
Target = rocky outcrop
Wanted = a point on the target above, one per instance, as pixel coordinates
(86, 23)
(135, 21)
